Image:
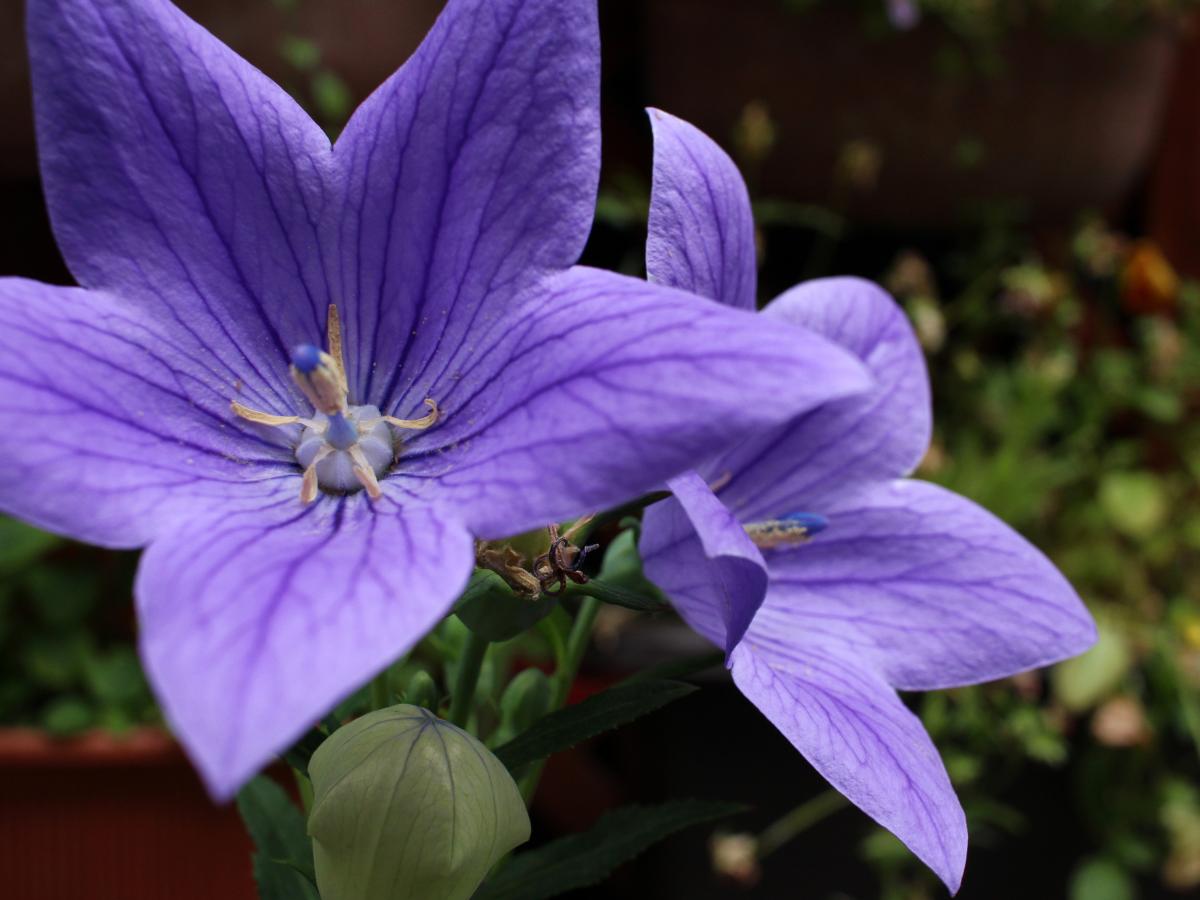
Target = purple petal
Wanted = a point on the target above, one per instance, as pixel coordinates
(846, 720)
(109, 428)
(287, 610)
(470, 174)
(701, 226)
(938, 590)
(602, 387)
(700, 555)
(882, 433)
(181, 178)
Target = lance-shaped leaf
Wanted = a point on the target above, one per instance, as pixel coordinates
(607, 710)
(283, 863)
(586, 859)
(408, 807)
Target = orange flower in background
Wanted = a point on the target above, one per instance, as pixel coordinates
(1149, 283)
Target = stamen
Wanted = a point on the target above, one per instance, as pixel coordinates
(364, 473)
(427, 421)
(308, 487)
(262, 418)
(788, 531)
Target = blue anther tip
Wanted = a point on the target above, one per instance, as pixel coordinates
(306, 358)
(810, 522)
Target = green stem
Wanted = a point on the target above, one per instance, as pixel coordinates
(577, 644)
(803, 817)
(467, 679)
(564, 676)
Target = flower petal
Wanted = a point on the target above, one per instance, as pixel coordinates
(469, 174)
(602, 387)
(882, 433)
(108, 428)
(180, 177)
(852, 727)
(701, 227)
(288, 609)
(940, 591)
(700, 555)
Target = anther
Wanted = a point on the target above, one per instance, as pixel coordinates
(787, 531)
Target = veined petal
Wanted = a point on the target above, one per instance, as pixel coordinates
(288, 609)
(469, 174)
(109, 428)
(181, 178)
(602, 387)
(940, 591)
(700, 555)
(701, 236)
(845, 719)
(880, 433)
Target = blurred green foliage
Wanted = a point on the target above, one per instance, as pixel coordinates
(67, 661)
(1067, 394)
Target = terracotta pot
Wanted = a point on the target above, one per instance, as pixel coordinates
(114, 818)
(1068, 125)
(362, 41)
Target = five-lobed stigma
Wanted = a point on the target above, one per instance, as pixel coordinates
(788, 531)
(343, 448)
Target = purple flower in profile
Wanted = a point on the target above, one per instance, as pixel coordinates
(830, 579)
(307, 377)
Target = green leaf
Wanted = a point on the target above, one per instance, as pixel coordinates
(283, 863)
(607, 710)
(1135, 502)
(623, 569)
(67, 715)
(1102, 879)
(491, 609)
(20, 544)
(649, 599)
(586, 859)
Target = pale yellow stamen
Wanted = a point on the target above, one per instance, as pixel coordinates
(309, 486)
(427, 421)
(262, 418)
(365, 474)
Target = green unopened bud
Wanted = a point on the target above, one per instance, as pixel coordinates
(408, 807)
(422, 691)
(526, 700)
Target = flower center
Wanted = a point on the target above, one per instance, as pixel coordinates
(788, 531)
(343, 448)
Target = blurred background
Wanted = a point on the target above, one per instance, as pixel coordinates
(1025, 178)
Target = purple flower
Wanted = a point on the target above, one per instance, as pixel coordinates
(904, 14)
(872, 582)
(308, 377)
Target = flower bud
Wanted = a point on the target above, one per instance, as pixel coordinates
(421, 690)
(409, 807)
(527, 699)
